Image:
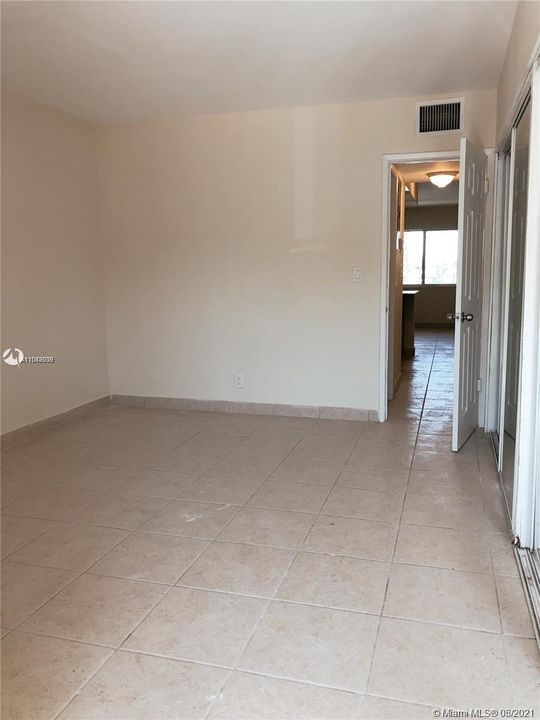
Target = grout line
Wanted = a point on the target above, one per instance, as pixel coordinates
(370, 671)
(263, 613)
(295, 551)
(279, 585)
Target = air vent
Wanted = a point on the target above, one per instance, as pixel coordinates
(443, 116)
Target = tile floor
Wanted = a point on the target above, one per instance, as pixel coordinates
(162, 564)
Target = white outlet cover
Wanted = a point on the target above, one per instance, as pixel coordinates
(357, 274)
(239, 380)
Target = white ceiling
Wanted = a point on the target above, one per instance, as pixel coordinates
(125, 61)
(417, 172)
(429, 194)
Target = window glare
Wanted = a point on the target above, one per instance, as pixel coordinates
(413, 249)
(440, 261)
(441, 257)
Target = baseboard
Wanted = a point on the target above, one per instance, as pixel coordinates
(322, 412)
(26, 433)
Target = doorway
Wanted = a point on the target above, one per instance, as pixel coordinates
(467, 311)
(423, 267)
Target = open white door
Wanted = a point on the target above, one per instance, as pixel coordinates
(468, 291)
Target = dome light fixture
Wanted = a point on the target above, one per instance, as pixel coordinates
(442, 178)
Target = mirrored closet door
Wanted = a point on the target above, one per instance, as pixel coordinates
(516, 186)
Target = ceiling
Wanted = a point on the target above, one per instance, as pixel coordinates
(125, 61)
(416, 172)
(429, 194)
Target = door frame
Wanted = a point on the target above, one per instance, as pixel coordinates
(387, 162)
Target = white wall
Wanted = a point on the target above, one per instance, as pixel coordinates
(525, 32)
(229, 245)
(52, 282)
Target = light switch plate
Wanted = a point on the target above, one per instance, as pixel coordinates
(357, 274)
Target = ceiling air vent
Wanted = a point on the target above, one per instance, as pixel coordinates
(442, 116)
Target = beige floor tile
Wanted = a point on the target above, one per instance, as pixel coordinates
(339, 582)
(441, 511)
(376, 708)
(152, 557)
(245, 569)
(384, 436)
(356, 538)
(15, 457)
(290, 496)
(69, 546)
(380, 479)
(515, 615)
(139, 687)
(495, 517)
(524, 668)
(119, 455)
(451, 597)
(502, 553)
(17, 531)
(207, 443)
(424, 482)
(435, 427)
(40, 674)
(320, 645)
(95, 477)
(207, 627)
(313, 449)
(222, 490)
(280, 528)
(434, 461)
(249, 463)
(96, 609)
(43, 472)
(156, 483)
(191, 519)
(54, 503)
(363, 504)
(119, 510)
(246, 697)
(190, 464)
(11, 491)
(439, 666)
(394, 457)
(312, 472)
(25, 588)
(442, 547)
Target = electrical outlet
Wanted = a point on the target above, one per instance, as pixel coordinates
(357, 274)
(239, 380)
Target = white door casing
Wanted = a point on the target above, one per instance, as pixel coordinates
(468, 311)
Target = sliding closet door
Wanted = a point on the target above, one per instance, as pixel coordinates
(514, 299)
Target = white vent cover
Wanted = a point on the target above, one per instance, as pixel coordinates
(441, 116)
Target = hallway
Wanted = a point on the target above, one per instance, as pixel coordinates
(164, 564)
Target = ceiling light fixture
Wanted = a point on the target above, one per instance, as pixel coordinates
(442, 178)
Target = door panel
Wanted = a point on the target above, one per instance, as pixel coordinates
(468, 291)
(514, 299)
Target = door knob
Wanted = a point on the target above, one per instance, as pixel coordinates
(460, 316)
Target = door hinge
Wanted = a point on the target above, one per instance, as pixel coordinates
(479, 384)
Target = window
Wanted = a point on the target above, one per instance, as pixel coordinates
(430, 257)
